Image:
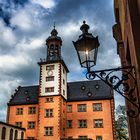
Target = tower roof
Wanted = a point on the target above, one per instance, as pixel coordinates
(53, 36)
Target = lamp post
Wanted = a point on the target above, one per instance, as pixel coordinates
(125, 83)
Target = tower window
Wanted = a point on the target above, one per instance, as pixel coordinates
(63, 82)
(49, 89)
(49, 99)
(50, 67)
(51, 47)
(19, 111)
(48, 112)
(32, 110)
(98, 123)
(82, 108)
(82, 123)
(48, 131)
(97, 107)
(63, 70)
(50, 78)
(63, 92)
(31, 125)
(56, 49)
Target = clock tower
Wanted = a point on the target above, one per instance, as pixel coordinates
(52, 90)
(53, 71)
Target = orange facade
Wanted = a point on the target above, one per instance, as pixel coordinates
(24, 118)
(60, 116)
(91, 131)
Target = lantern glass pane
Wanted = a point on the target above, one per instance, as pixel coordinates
(88, 58)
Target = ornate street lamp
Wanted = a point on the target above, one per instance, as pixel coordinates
(86, 47)
(124, 83)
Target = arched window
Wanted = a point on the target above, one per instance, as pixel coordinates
(51, 46)
(11, 134)
(3, 133)
(16, 135)
(22, 135)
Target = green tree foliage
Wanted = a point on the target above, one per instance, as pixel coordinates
(121, 123)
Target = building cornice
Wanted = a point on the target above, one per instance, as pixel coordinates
(53, 61)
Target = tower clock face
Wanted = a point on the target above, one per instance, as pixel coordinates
(49, 72)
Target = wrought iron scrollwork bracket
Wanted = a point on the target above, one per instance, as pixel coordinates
(120, 79)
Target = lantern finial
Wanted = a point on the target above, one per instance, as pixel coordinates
(84, 28)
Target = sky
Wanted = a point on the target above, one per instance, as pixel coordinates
(26, 24)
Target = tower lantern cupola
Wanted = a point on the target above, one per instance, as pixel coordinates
(54, 43)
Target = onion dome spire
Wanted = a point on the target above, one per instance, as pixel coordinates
(53, 43)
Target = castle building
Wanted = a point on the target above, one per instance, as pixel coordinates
(126, 33)
(56, 109)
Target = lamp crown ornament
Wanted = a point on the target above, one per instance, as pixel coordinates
(84, 28)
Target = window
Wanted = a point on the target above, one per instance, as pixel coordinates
(63, 82)
(16, 135)
(19, 124)
(30, 138)
(48, 131)
(69, 108)
(63, 70)
(63, 92)
(82, 108)
(19, 111)
(69, 123)
(22, 135)
(31, 125)
(97, 107)
(49, 89)
(98, 123)
(32, 110)
(50, 78)
(49, 99)
(48, 112)
(11, 134)
(50, 67)
(98, 137)
(83, 137)
(70, 138)
(3, 133)
(82, 123)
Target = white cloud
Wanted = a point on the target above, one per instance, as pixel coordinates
(31, 44)
(9, 62)
(7, 35)
(69, 28)
(23, 20)
(45, 3)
